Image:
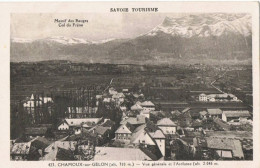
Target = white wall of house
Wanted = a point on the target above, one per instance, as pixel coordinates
(149, 108)
(224, 117)
(77, 131)
(122, 136)
(161, 145)
(168, 129)
(203, 98)
(63, 126)
(147, 115)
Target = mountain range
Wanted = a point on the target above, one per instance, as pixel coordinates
(179, 39)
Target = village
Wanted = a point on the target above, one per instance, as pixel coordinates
(122, 124)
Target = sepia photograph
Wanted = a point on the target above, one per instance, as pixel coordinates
(125, 86)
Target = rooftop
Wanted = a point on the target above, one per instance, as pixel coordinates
(108, 123)
(226, 144)
(21, 148)
(231, 134)
(100, 129)
(63, 144)
(242, 113)
(221, 124)
(79, 121)
(147, 103)
(40, 142)
(157, 134)
(63, 154)
(136, 107)
(134, 120)
(120, 154)
(125, 128)
(165, 122)
(214, 111)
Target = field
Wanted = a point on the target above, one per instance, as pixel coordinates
(159, 83)
(22, 87)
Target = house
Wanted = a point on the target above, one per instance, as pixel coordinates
(195, 113)
(217, 97)
(142, 136)
(32, 132)
(218, 148)
(107, 99)
(197, 125)
(24, 151)
(167, 126)
(108, 123)
(148, 105)
(71, 123)
(125, 90)
(159, 138)
(132, 113)
(85, 152)
(112, 91)
(56, 153)
(69, 145)
(175, 114)
(156, 115)
(211, 98)
(136, 107)
(203, 114)
(118, 96)
(85, 137)
(120, 154)
(64, 125)
(185, 120)
(134, 121)
(60, 150)
(88, 125)
(135, 95)
(59, 134)
(145, 113)
(124, 132)
(40, 143)
(203, 97)
(214, 113)
(64, 154)
(99, 97)
(148, 135)
(235, 115)
(221, 125)
(123, 108)
(101, 131)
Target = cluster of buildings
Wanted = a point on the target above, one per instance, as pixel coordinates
(143, 132)
(223, 97)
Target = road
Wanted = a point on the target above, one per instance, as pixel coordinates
(110, 83)
(212, 83)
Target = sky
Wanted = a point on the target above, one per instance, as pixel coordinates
(100, 26)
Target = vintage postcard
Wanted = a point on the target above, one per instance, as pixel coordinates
(130, 84)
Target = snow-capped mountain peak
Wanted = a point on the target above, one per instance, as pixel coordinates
(103, 41)
(61, 40)
(202, 25)
(21, 40)
(66, 40)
